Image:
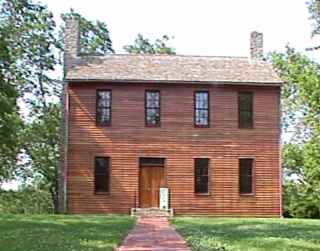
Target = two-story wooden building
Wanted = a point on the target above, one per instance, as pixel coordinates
(208, 128)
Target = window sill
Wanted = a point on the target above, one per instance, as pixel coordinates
(247, 194)
(202, 194)
(99, 125)
(201, 126)
(102, 193)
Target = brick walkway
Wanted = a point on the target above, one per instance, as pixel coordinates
(154, 234)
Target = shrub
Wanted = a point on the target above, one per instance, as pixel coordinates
(26, 201)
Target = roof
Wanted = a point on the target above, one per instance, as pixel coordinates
(171, 68)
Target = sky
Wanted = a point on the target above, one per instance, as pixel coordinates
(199, 27)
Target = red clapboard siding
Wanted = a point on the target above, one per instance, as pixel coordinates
(179, 142)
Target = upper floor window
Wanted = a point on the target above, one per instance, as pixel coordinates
(201, 175)
(246, 176)
(201, 107)
(103, 107)
(101, 174)
(152, 108)
(245, 106)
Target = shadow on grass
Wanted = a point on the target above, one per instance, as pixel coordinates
(252, 234)
(63, 232)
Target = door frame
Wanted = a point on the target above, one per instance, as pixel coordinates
(139, 173)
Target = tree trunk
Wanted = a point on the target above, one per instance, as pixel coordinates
(54, 198)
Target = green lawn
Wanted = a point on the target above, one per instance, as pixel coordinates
(62, 232)
(243, 234)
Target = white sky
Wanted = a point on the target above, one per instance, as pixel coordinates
(202, 27)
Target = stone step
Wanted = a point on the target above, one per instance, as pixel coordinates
(151, 212)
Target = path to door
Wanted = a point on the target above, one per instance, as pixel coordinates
(154, 234)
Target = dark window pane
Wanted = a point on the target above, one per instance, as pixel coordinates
(202, 108)
(203, 163)
(245, 109)
(103, 107)
(101, 165)
(245, 175)
(246, 120)
(152, 108)
(246, 101)
(153, 99)
(201, 175)
(104, 116)
(153, 116)
(101, 183)
(245, 184)
(101, 174)
(202, 117)
(104, 98)
(202, 100)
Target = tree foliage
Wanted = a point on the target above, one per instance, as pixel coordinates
(94, 36)
(27, 200)
(143, 45)
(10, 122)
(314, 10)
(33, 46)
(301, 156)
(42, 137)
(29, 54)
(31, 36)
(301, 91)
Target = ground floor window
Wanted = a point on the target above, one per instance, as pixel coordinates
(246, 176)
(201, 174)
(101, 174)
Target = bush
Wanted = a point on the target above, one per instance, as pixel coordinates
(26, 201)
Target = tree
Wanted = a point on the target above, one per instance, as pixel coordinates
(144, 46)
(29, 53)
(301, 104)
(31, 35)
(33, 46)
(10, 122)
(94, 36)
(314, 10)
(42, 137)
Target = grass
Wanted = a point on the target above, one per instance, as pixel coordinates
(62, 232)
(243, 234)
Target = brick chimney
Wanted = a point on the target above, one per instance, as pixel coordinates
(71, 41)
(256, 45)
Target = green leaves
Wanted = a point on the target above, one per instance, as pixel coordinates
(10, 122)
(301, 90)
(29, 55)
(301, 114)
(144, 46)
(42, 139)
(314, 10)
(30, 34)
